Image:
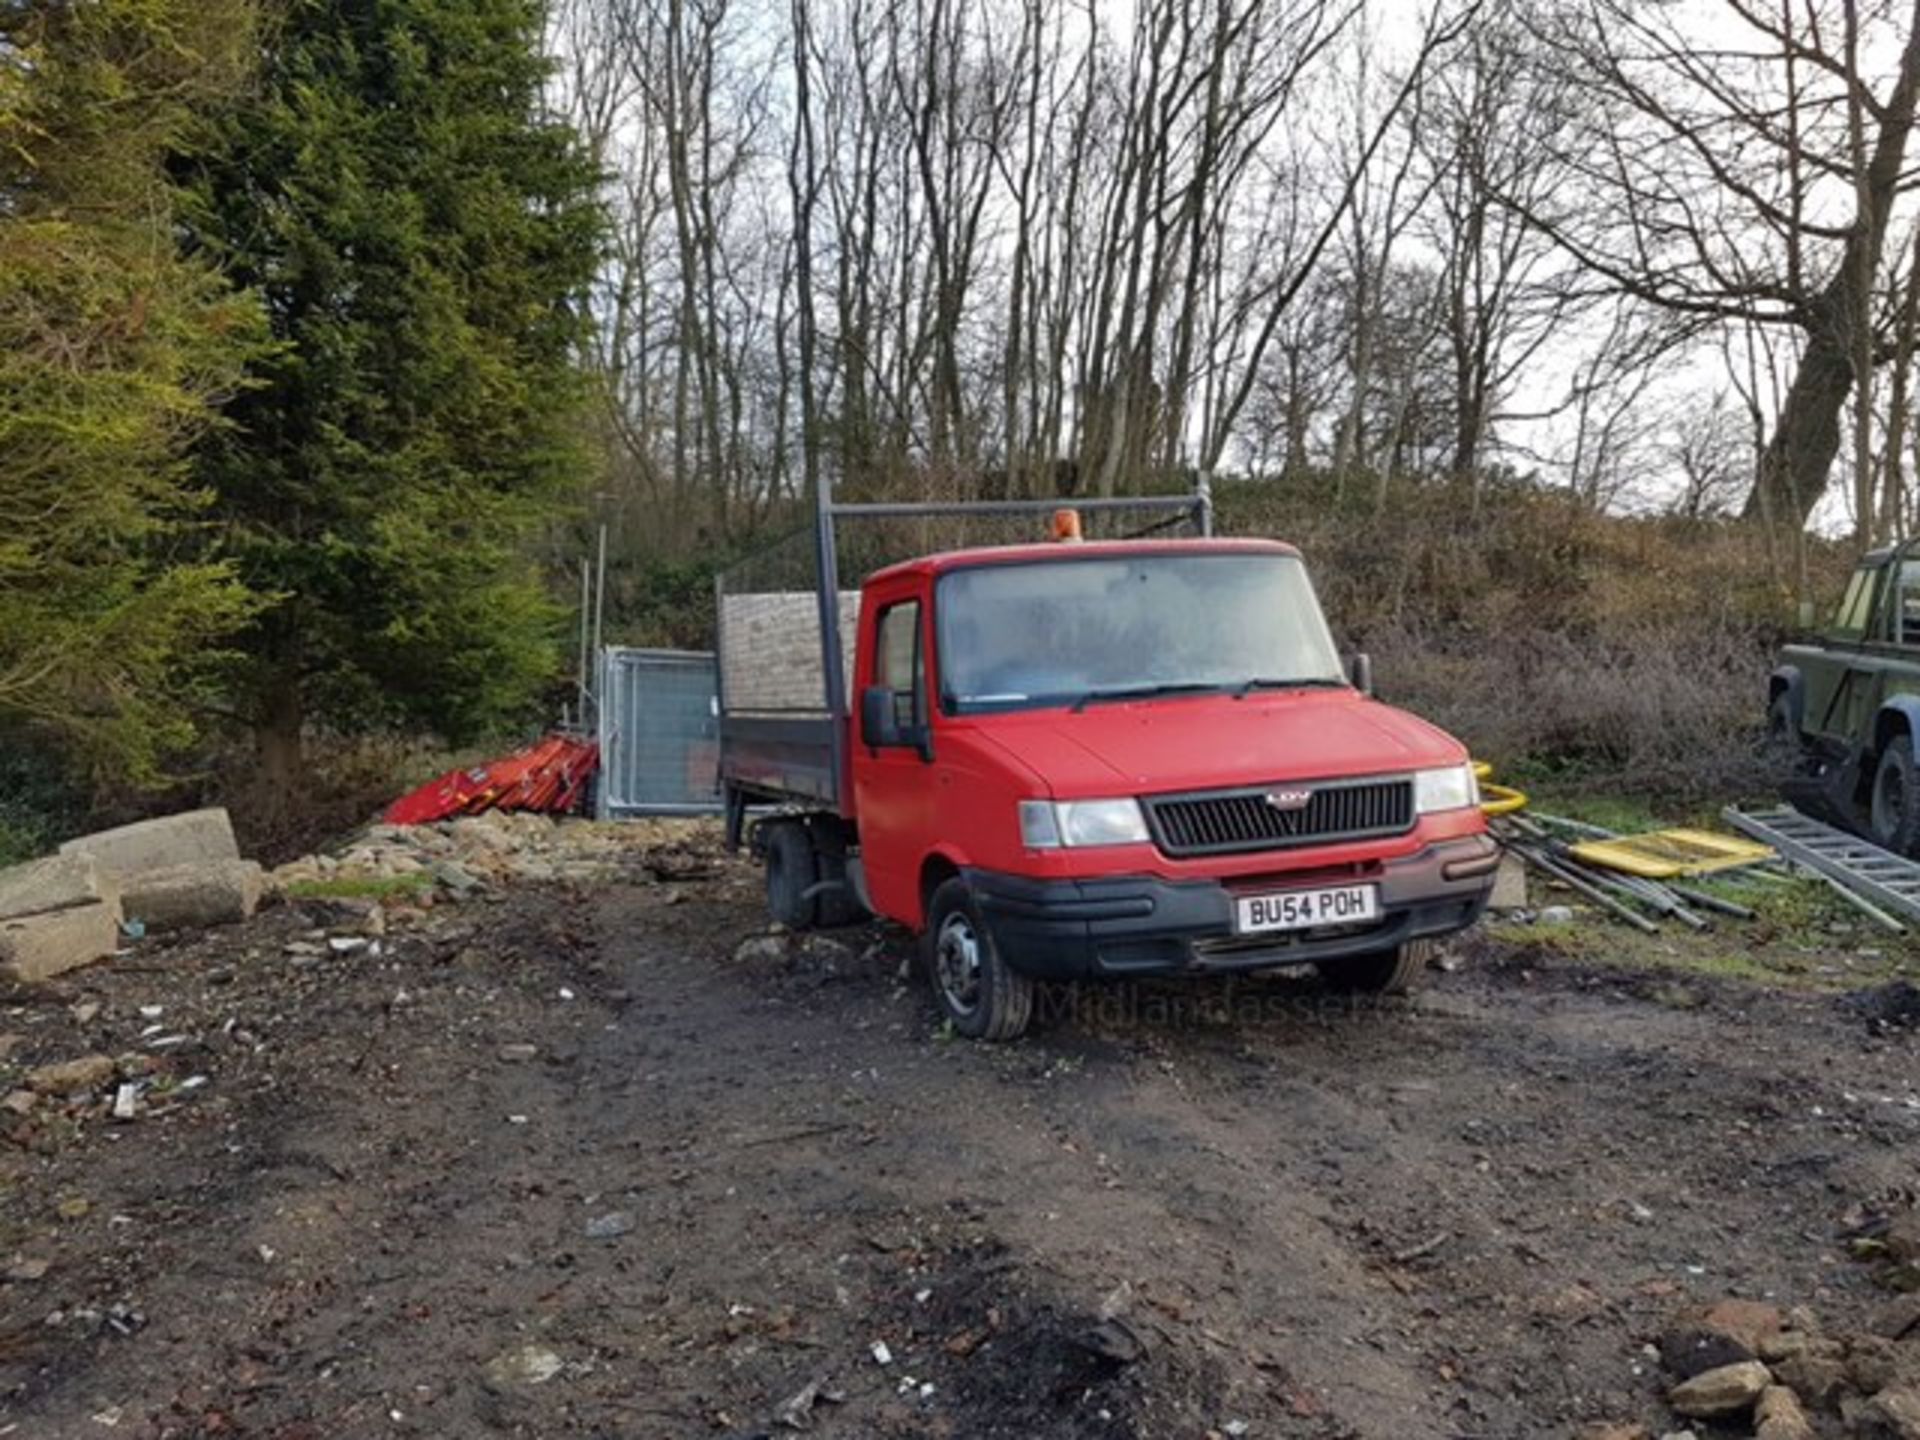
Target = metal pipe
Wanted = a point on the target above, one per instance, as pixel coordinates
(1758, 870)
(912, 509)
(1652, 893)
(600, 598)
(826, 560)
(719, 645)
(586, 579)
(1866, 907)
(1625, 885)
(1523, 825)
(1714, 902)
(1647, 892)
(1579, 827)
(1592, 892)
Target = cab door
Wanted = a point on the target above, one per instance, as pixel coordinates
(895, 795)
(1839, 678)
(1884, 665)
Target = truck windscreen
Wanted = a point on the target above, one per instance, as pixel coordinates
(1077, 630)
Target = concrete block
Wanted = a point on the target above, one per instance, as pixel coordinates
(188, 839)
(191, 897)
(1509, 884)
(58, 882)
(37, 947)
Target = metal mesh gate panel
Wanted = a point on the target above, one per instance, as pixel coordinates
(659, 733)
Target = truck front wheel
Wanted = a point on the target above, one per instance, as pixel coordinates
(1390, 972)
(1896, 798)
(983, 996)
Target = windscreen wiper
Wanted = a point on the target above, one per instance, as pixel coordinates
(1146, 692)
(1306, 682)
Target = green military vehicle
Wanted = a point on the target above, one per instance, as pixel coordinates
(1848, 700)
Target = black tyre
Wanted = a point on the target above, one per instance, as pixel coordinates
(1895, 810)
(984, 997)
(838, 906)
(792, 870)
(838, 909)
(1390, 972)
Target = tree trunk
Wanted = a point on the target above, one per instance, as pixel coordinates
(1793, 472)
(1906, 331)
(277, 745)
(1806, 437)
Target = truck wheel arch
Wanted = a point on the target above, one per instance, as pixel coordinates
(1788, 681)
(1898, 715)
(935, 871)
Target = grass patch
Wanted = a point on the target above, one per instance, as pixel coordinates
(21, 840)
(1578, 940)
(362, 887)
(1622, 814)
(1802, 936)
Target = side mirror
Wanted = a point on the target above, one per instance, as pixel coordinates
(1360, 668)
(877, 726)
(880, 725)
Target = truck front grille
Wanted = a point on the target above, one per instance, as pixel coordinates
(1222, 822)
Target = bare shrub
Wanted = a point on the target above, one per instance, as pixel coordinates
(346, 782)
(1660, 709)
(1631, 653)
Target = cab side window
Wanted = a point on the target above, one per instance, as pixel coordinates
(1856, 606)
(898, 664)
(1904, 620)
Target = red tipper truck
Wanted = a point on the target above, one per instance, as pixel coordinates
(1077, 761)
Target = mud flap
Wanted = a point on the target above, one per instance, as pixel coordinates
(1828, 791)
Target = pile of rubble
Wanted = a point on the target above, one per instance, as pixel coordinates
(104, 892)
(478, 852)
(1745, 1366)
(391, 901)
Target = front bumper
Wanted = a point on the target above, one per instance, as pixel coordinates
(1141, 925)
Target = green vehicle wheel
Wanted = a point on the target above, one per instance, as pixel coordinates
(1895, 810)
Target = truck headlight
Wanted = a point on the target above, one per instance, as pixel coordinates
(1453, 788)
(1049, 824)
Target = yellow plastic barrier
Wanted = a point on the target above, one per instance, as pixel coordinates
(1667, 854)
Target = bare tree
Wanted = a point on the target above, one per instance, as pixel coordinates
(1738, 166)
(1892, 483)
(1386, 199)
(1487, 136)
(1709, 448)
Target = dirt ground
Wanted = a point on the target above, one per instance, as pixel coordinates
(732, 1177)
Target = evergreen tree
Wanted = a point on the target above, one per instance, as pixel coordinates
(424, 235)
(114, 356)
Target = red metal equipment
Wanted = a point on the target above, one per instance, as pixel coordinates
(549, 776)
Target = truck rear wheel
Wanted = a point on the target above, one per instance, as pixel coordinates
(838, 904)
(792, 869)
(983, 996)
(1390, 972)
(1895, 811)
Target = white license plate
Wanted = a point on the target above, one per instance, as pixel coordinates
(1306, 909)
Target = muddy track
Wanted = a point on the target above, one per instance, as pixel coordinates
(1176, 1210)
